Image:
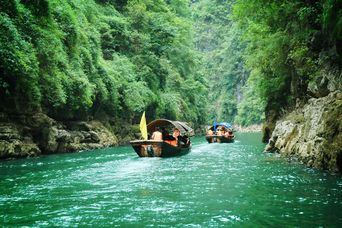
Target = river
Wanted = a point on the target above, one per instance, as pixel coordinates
(214, 185)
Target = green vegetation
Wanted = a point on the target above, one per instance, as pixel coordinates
(75, 59)
(287, 45)
(218, 38)
(178, 59)
(261, 57)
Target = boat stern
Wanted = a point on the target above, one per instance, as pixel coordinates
(147, 148)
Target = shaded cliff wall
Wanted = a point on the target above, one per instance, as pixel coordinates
(312, 133)
(31, 135)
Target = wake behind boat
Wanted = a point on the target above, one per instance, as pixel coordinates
(158, 142)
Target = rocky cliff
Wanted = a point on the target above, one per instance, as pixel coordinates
(31, 135)
(312, 133)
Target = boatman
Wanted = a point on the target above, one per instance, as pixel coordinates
(176, 136)
(157, 135)
(176, 133)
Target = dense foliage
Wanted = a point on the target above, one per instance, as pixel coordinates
(79, 58)
(218, 38)
(265, 55)
(75, 59)
(288, 43)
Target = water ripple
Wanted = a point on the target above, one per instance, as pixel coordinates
(215, 185)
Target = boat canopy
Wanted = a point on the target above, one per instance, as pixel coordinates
(182, 126)
(224, 124)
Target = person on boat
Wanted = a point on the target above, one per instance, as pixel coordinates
(166, 135)
(219, 132)
(230, 134)
(176, 133)
(184, 139)
(179, 138)
(173, 139)
(157, 135)
(210, 132)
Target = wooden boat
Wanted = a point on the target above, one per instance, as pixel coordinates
(164, 148)
(219, 139)
(226, 135)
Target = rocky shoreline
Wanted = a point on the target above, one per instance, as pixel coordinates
(250, 128)
(32, 135)
(312, 133)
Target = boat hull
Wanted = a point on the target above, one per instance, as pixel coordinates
(219, 139)
(153, 148)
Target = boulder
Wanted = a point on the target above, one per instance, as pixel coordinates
(312, 133)
(9, 132)
(94, 136)
(18, 149)
(25, 135)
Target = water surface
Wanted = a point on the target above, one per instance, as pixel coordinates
(214, 185)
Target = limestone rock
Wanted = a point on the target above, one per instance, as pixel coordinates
(9, 132)
(329, 82)
(312, 133)
(18, 149)
(94, 136)
(30, 135)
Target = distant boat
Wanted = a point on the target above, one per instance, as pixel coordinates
(168, 146)
(220, 133)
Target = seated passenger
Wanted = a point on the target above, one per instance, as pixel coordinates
(230, 134)
(184, 139)
(218, 132)
(165, 133)
(157, 135)
(175, 136)
(176, 133)
(173, 139)
(210, 132)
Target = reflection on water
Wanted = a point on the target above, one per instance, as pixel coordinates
(214, 185)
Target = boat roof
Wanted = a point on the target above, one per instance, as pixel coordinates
(224, 124)
(183, 127)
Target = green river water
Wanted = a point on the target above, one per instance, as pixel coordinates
(215, 185)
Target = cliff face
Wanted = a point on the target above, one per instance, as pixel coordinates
(312, 133)
(31, 135)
